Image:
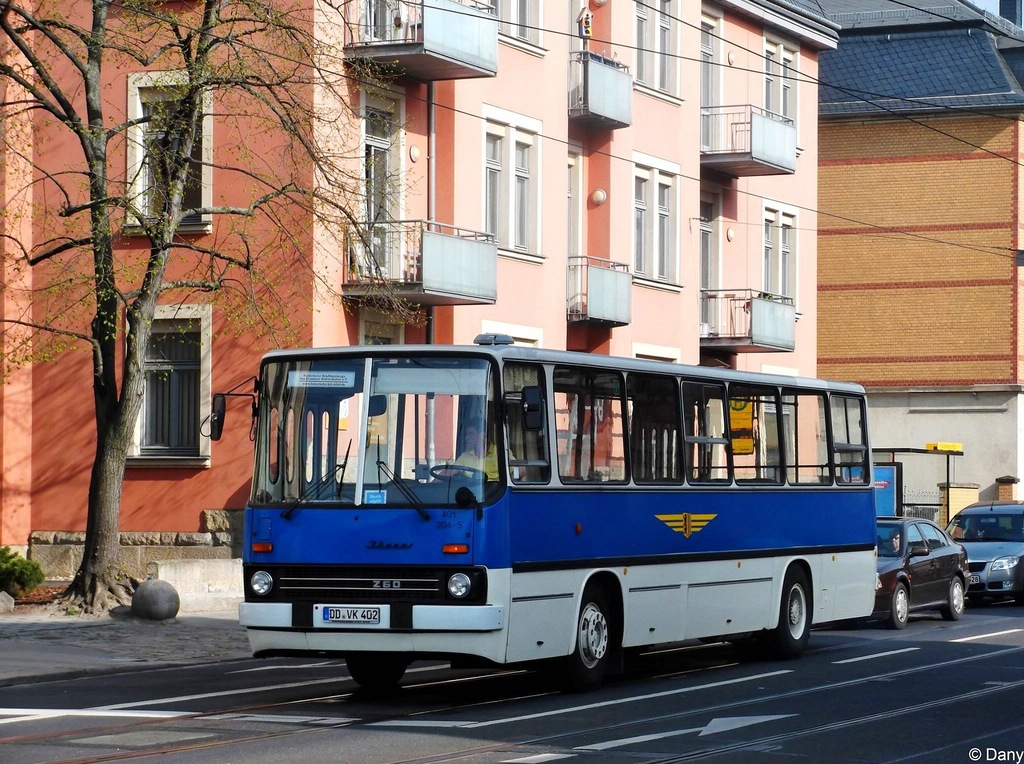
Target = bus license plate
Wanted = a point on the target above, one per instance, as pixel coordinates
(343, 614)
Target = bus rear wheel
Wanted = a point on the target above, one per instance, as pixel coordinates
(789, 639)
(586, 666)
(377, 672)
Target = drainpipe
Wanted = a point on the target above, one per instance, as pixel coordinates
(431, 189)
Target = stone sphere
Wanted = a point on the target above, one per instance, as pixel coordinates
(156, 600)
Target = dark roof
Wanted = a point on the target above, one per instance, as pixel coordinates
(924, 64)
(806, 13)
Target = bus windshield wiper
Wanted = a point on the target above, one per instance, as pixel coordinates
(403, 489)
(310, 490)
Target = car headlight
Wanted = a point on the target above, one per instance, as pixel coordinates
(1004, 563)
(459, 585)
(261, 582)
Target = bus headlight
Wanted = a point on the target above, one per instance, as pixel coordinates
(261, 583)
(459, 585)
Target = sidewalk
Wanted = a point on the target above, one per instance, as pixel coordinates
(39, 643)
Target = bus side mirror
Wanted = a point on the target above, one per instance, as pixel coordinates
(533, 408)
(217, 416)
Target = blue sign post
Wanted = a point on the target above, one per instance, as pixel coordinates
(886, 486)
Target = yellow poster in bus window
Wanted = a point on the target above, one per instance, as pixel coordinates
(741, 425)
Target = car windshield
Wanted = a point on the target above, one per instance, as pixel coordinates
(889, 542)
(987, 527)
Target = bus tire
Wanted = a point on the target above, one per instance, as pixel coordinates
(586, 666)
(789, 639)
(377, 672)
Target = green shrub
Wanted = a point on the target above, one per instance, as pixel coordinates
(17, 575)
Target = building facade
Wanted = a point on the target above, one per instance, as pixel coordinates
(920, 228)
(613, 177)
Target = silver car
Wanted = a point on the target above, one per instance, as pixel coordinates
(992, 532)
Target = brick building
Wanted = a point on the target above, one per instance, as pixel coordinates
(920, 225)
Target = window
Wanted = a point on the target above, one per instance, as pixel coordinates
(378, 150)
(779, 261)
(778, 80)
(709, 265)
(152, 102)
(849, 440)
(512, 186)
(520, 19)
(528, 449)
(708, 77)
(589, 426)
(176, 399)
(656, 32)
(654, 224)
(706, 448)
(654, 445)
(806, 436)
(754, 432)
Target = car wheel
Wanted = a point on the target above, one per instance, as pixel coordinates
(899, 607)
(587, 665)
(789, 638)
(954, 601)
(377, 672)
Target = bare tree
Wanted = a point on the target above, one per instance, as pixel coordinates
(251, 67)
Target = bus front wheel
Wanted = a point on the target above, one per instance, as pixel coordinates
(789, 638)
(377, 672)
(587, 665)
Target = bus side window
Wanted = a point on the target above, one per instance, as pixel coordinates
(589, 426)
(754, 433)
(654, 446)
(706, 448)
(849, 442)
(805, 430)
(527, 447)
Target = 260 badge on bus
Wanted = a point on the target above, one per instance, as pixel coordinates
(348, 614)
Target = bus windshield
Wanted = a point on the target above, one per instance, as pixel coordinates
(370, 431)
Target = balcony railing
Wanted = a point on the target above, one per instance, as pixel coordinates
(427, 39)
(426, 262)
(747, 321)
(599, 292)
(745, 140)
(600, 91)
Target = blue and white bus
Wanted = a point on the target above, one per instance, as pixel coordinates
(613, 504)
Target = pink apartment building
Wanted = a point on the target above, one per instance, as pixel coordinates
(615, 177)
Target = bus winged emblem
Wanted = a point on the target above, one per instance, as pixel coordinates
(686, 523)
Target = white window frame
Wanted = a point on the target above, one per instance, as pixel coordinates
(709, 277)
(779, 258)
(393, 257)
(780, 78)
(519, 20)
(202, 317)
(656, 257)
(710, 74)
(656, 41)
(373, 323)
(522, 335)
(149, 87)
(517, 229)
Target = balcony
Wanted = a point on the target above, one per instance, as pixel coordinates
(600, 91)
(599, 292)
(746, 321)
(743, 141)
(424, 262)
(427, 40)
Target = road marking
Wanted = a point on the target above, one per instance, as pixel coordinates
(876, 655)
(987, 636)
(631, 699)
(220, 694)
(35, 714)
(540, 758)
(715, 726)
